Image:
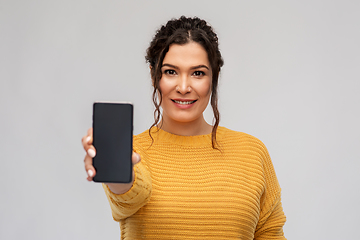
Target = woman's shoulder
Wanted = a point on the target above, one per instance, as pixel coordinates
(228, 135)
(235, 141)
(142, 141)
(142, 137)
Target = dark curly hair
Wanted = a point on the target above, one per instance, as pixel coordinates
(182, 31)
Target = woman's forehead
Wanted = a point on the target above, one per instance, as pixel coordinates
(186, 55)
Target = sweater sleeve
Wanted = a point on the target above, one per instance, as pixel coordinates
(125, 205)
(272, 217)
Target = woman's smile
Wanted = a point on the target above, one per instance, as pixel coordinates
(183, 103)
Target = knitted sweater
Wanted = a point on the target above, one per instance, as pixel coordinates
(185, 189)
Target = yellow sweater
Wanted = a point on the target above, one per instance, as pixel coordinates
(185, 189)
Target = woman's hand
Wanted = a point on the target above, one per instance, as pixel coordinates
(117, 188)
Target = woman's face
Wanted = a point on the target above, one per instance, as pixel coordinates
(185, 83)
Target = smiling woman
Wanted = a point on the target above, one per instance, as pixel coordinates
(185, 90)
(180, 32)
(194, 180)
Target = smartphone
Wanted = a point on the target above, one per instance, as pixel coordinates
(112, 139)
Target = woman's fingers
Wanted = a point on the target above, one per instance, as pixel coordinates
(90, 153)
(90, 150)
(90, 134)
(87, 144)
(89, 168)
(87, 140)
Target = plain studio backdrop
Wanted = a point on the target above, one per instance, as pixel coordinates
(291, 78)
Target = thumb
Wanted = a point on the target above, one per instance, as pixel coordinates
(135, 158)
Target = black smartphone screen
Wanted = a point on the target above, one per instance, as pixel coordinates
(112, 139)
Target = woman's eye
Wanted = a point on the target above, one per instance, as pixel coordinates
(199, 73)
(170, 72)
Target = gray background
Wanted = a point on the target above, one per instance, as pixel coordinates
(291, 78)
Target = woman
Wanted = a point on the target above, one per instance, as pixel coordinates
(195, 180)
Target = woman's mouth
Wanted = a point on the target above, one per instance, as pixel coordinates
(183, 102)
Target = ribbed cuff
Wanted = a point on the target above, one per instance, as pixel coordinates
(126, 204)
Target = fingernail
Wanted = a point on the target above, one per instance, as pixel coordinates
(90, 173)
(138, 157)
(91, 152)
(88, 139)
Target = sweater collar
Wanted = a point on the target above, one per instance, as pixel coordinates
(160, 135)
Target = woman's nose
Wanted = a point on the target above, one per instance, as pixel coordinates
(183, 86)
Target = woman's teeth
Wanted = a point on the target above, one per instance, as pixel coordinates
(184, 102)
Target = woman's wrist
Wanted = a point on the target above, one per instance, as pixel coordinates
(119, 188)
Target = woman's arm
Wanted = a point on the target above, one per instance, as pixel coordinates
(272, 217)
(125, 198)
(128, 203)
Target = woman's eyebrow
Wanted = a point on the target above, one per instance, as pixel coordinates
(200, 66)
(169, 65)
(192, 68)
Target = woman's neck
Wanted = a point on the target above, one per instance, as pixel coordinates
(194, 128)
